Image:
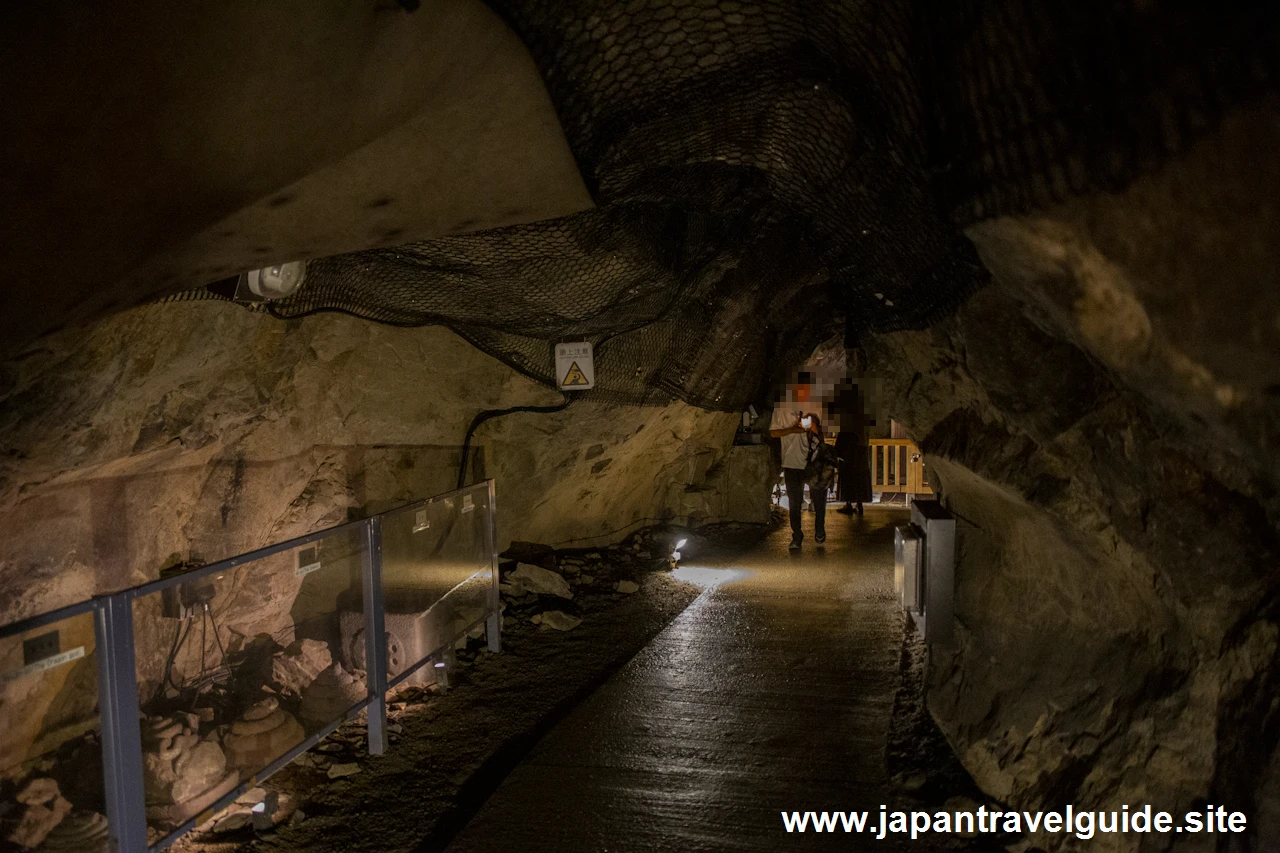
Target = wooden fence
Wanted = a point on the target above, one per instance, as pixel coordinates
(897, 466)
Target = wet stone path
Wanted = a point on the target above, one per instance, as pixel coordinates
(772, 692)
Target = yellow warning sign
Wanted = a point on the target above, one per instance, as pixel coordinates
(575, 366)
(575, 377)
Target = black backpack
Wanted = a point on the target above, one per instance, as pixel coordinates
(820, 469)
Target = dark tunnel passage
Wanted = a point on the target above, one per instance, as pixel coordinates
(417, 414)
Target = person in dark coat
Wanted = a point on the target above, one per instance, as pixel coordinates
(854, 470)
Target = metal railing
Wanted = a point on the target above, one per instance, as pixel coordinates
(389, 594)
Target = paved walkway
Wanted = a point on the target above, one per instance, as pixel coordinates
(772, 692)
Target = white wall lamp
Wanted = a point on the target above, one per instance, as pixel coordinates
(270, 283)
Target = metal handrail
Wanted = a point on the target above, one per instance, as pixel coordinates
(116, 660)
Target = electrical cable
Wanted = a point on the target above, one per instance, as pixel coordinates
(179, 639)
(204, 642)
(490, 414)
(217, 637)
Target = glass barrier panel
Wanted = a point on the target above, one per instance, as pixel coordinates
(437, 578)
(237, 668)
(51, 793)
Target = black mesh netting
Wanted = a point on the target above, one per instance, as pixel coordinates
(767, 172)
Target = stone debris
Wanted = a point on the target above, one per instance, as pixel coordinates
(534, 553)
(626, 586)
(293, 669)
(237, 818)
(535, 579)
(252, 797)
(183, 774)
(263, 807)
(338, 771)
(78, 832)
(264, 733)
(44, 809)
(587, 579)
(38, 792)
(560, 620)
(329, 696)
(304, 759)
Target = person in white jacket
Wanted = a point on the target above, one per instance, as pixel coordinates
(799, 431)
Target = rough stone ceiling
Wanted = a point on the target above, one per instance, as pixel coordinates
(763, 171)
(159, 146)
(766, 170)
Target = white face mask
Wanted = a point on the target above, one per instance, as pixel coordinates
(806, 422)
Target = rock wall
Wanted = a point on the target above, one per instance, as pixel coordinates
(197, 431)
(192, 432)
(1103, 421)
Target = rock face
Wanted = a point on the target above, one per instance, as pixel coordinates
(1103, 421)
(198, 431)
(191, 432)
(298, 665)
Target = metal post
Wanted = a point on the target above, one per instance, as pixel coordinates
(493, 626)
(493, 631)
(375, 636)
(440, 665)
(121, 730)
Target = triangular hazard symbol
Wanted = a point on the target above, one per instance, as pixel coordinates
(575, 376)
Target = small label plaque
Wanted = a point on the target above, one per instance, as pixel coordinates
(44, 665)
(308, 561)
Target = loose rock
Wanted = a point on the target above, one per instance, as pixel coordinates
(534, 553)
(560, 620)
(38, 819)
(299, 664)
(542, 581)
(37, 792)
(239, 818)
(338, 771)
(78, 832)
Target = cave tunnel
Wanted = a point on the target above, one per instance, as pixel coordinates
(640, 426)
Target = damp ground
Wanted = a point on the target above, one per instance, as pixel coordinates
(681, 716)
